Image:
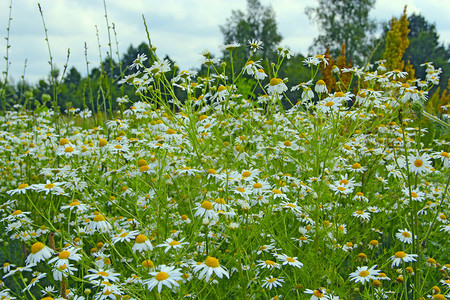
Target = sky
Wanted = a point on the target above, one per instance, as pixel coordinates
(181, 29)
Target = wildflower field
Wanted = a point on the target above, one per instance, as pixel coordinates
(230, 194)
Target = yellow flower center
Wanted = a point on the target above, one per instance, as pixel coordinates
(418, 163)
(287, 143)
(270, 262)
(276, 191)
(64, 255)
(141, 239)
(356, 166)
(212, 262)
(290, 259)
(17, 212)
(271, 280)
(406, 234)
(220, 201)
(22, 186)
(37, 247)
(246, 174)
(99, 218)
(318, 293)
(241, 189)
(102, 142)
(49, 185)
(174, 243)
(257, 185)
(400, 254)
(212, 171)
(275, 81)
(68, 149)
(148, 264)
(329, 103)
(364, 273)
(142, 162)
(221, 88)
(339, 94)
(162, 276)
(207, 205)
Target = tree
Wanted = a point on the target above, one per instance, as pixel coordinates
(343, 22)
(396, 43)
(424, 46)
(257, 23)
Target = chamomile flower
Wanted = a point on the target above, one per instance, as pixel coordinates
(364, 274)
(66, 255)
(272, 282)
(317, 294)
(268, 264)
(142, 244)
(208, 267)
(98, 224)
(173, 244)
(405, 236)
(420, 164)
(124, 236)
(39, 252)
(206, 210)
(102, 274)
(276, 86)
(167, 276)
(400, 257)
(288, 260)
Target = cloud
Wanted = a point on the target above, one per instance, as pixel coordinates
(181, 29)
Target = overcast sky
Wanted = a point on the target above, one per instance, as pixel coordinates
(179, 28)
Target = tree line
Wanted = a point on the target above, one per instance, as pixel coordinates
(346, 33)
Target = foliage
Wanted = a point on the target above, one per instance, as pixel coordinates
(343, 22)
(396, 43)
(230, 193)
(259, 23)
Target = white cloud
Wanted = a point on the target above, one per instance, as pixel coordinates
(181, 29)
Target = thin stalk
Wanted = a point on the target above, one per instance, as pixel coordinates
(7, 62)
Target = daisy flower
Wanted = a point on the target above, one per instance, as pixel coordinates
(206, 210)
(321, 87)
(167, 276)
(271, 282)
(404, 235)
(255, 45)
(63, 269)
(401, 256)
(39, 252)
(317, 294)
(124, 236)
(276, 86)
(102, 274)
(173, 244)
(142, 244)
(99, 224)
(364, 216)
(420, 164)
(364, 274)
(66, 255)
(209, 266)
(287, 260)
(268, 264)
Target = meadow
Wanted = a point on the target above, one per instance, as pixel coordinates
(331, 195)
